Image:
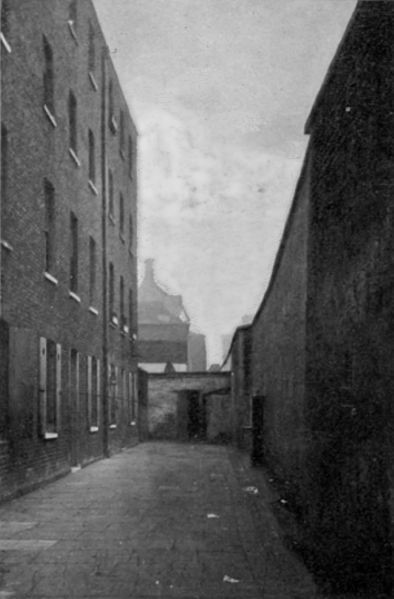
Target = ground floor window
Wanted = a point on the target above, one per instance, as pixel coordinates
(113, 394)
(50, 387)
(93, 392)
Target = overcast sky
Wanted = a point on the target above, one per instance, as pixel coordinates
(220, 91)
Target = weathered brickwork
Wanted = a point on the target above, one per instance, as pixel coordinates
(43, 35)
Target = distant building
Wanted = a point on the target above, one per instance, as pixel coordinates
(165, 341)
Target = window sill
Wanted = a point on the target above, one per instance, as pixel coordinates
(111, 218)
(93, 188)
(7, 246)
(133, 423)
(122, 154)
(50, 116)
(122, 238)
(50, 436)
(51, 278)
(114, 321)
(6, 45)
(93, 81)
(74, 157)
(73, 32)
(113, 426)
(93, 429)
(74, 297)
(126, 329)
(93, 311)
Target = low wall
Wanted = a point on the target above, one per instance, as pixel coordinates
(169, 413)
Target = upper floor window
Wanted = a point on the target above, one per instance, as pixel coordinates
(72, 122)
(111, 289)
(92, 157)
(131, 233)
(92, 50)
(5, 23)
(110, 193)
(121, 213)
(111, 108)
(49, 77)
(130, 156)
(73, 18)
(49, 231)
(121, 303)
(92, 271)
(73, 253)
(4, 163)
(121, 133)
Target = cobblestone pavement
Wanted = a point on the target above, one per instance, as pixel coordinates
(160, 520)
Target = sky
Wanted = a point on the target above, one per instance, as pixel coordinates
(220, 91)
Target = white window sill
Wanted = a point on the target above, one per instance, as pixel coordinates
(93, 429)
(126, 329)
(74, 297)
(111, 218)
(50, 116)
(93, 188)
(51, 278)
(114, 320)
(50, 436)
(93, 311)
(72, 31)
(6, 45)
(133, 423)
(74, 157)
(6, 245)
(93, 81)
(113, 426)
(122, 154)
(122, 238)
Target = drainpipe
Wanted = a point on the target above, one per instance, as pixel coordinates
(104, 376)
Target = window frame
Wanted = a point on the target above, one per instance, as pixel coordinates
(45, 393)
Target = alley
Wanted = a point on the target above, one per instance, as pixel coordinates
(159, 520)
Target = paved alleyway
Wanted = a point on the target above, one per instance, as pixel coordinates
(137, 526)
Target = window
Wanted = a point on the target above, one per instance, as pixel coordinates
(110, 194)
(121, 214)
(49, 77)
(72, 122)
(111, 110)
(131, 395)
(5, 19)
(130, 157)
(131, 320)
(121, 303)
(92, 158)
(73, 18)
(122, 134)
(113, 394)
(73, 253)
(92, 271)
(92, 50)
(112, 314)
(4, 163)
(49, 231)
(131, 233)
(50, 387)
(93, 392)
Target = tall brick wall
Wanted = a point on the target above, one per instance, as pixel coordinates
(34, 305)
(167, 404)
(278, 345)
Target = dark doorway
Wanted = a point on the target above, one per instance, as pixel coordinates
(196, 411)
(257, 430)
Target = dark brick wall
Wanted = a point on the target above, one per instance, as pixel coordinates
(350, 306)
(32, 305)
(241, 365)
(278, 346)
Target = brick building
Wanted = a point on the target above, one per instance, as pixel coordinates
(68, 244)
(322, 340)
(165, 341)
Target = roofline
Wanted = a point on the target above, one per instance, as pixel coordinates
(315, 107)
(188, 374)
(285, 234)
(243, 327)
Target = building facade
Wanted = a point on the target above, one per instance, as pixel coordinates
(165, 341)
(322, 340)
(68, 244)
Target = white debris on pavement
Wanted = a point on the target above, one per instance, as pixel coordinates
(211, 516)
(229, 579)
(251, 490)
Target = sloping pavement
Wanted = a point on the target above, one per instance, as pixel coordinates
(159, 520)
